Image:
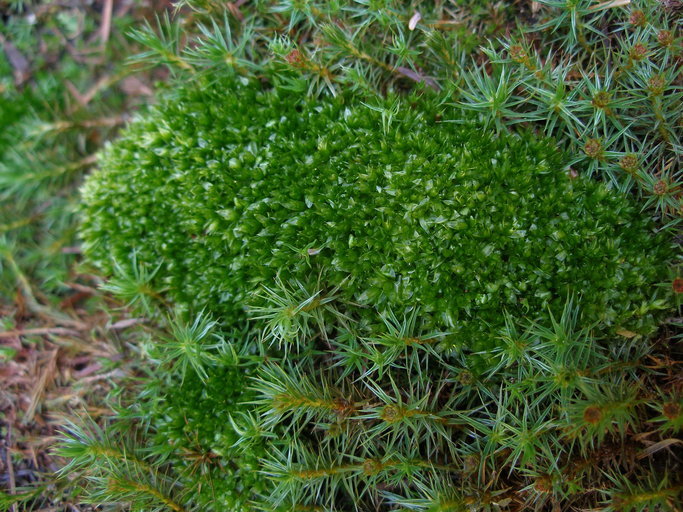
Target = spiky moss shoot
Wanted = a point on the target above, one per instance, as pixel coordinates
(601, 100)
(226, 186)
(656, 85)
(638, 18)
(677, 285)
(638, 52)
(671, 410)
(665, 38)
(593, 148)
(629, 163)
(592, 415)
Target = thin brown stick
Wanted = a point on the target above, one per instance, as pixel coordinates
(105, 28)
(608, 4)
(43, 382)
(40, 331)
(10, 466)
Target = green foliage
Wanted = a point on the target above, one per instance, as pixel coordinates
(602, 77)
(418, 315)
(190, 345)
(61, 97)
(391, 421)
(321, 47)
(316, 233)
(48, 139)
(196, 423)
(187, 443)
(610, 95)
(132, 284)
(117, 471)
(229, 193)
(423, 431)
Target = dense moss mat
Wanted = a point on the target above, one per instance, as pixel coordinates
(228, 186)
(193, 430)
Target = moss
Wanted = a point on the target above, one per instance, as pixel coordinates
(194, 431)
(229, 186)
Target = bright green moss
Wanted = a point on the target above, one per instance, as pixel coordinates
(228, 186)
(14, 107)
(194, 428)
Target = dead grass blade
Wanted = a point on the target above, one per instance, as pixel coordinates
(45, 379)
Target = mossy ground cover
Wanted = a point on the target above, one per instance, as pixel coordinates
(391, 267)
(281, 370)
(63, 92)
(224, 195)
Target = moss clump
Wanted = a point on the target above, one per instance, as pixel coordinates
(228, 186)
(194, 430)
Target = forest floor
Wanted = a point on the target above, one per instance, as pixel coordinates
(67, 348)
(65, 89)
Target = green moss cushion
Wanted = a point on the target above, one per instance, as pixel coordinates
(194, 419)
(229, 185)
